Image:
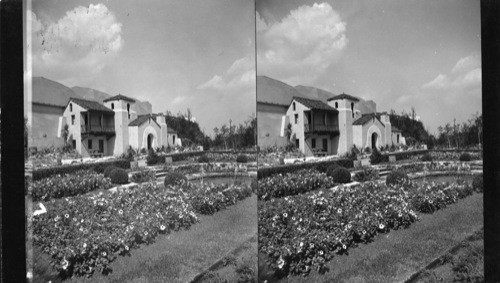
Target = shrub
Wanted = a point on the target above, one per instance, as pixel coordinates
(143, 175)
(242, 158)
(426, 157)
(254, 185)
(68, 169)
(396, 178)
(465, 157)
(321, 166)
(341, 175)
(118, 176)
(153, 158)
(174, 178)
(367, 174)
(203, 159)
(376, 157)
(477, 183)
(368, 150)
(331, 168)
(108, 170)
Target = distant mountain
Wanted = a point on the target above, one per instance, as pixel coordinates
(91, 94)
(49, 92)
(275, 92)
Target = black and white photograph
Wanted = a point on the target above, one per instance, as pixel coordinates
(369, 122)
(140, 123)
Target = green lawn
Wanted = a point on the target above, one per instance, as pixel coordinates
(395, 256)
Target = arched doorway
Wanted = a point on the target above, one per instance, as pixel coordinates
(150, 141)
(374, 140)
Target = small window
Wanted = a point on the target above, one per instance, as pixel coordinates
(324, 120)
(128, 109)
(336, 105)
(89, 144)
(352, 109)
(72, 119)
(294, 106)
(313, 142)
(74, 144)
(112, 106)
(397, 138)
(129, 115)
(71, 107)
(297, 144)
(173, 139)
(296, 118)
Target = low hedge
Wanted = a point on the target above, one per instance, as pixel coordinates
(465, 157)
(98, 167)
(397, 177)
(341, 175)
(405, 154)
(174, 178)
(203, 159)
(242, 158)
(321, 166)
(118, 176)
(107, 170)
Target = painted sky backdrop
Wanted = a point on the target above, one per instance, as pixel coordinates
(175, 54)
(420, 53)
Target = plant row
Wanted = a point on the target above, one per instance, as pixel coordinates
(98, 167)
(303, 232)
(321, 166)
(84, 234)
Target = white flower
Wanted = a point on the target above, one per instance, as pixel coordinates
(64, 264)
(120, 211)
(281, 263)
(162, 227)
(84, 245)
(339, 210)
(381, 226)
(301, 244)
(66, 215)
(320, 252)
(285, 215)
(104, 254)
(344, 247)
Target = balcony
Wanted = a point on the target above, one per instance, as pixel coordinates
(87, 130)
(321, 129)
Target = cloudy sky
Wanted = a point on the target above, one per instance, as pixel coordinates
(420, 53)
(176, 54)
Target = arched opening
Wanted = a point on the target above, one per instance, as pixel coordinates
(71, 107)
(150, 141)
(336, 105)
(352, 109)
(112, 106)
(374, 140)
(397, 139)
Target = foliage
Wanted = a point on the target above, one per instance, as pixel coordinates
(368, 150)
(330, 169)
(107, 170)
(174, 178)
(58, 186)
(467, 134)
(118, 176)
(242, 158)
(143, 175)
(153, 158)
(68, 169)
(321, 166)
(477, 183)
(411, 129)
(306, 180)
(203, 159)
(341, 175)
(426, 157)
(188, 130)
(212, 198)
(465, 157)
(236, 136)
(376, 157)
(397, 177)
(366, 174)
(300, 233)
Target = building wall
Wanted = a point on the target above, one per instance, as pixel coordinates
(173, 140)
(121, 124)
(74, 128)
(44, 127)
(298, 125)
(85, 150)
(133, 133)
(357, 133)
(332, 144)
(149, 127)
(370, 128)
(269, 124)
(345, 124)
(163, 134)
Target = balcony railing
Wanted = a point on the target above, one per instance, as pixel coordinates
(87, 129)
(310, 128)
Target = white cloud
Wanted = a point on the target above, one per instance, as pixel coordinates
(241, 74)
(465, 74)
(82, 42)
(302, 45)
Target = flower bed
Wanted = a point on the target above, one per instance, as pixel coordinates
(67, 169)
(299, 182)
(302, 232)
(85, 234)
(454, 155)
(69, 185)
(321, 166)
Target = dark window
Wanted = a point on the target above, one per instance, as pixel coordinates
(296, 118)
(101, 145)
(297, 145)
(336, 105)
(129, 115)
(71, 107)
(112, 106)
(173, 140)
(352, 109)
(324, 120)
(72, 119)
(74, 144)
(313, 142)
(89, 144)
(397, 138)
(325, 145)
(294, 106)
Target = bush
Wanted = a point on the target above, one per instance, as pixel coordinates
(174, 178)
(367, 174)
(203, 159)
(321, 166)
(330, 169)
(118, 176)
(143, 175)
(98, 167)
(108, 170)
(426, 157)
(465, 157)
(153, 158)
(341, 175)
(254, 185)
(368, 150)
(396, 178)
(477, 183)
(376, 157)
(242, 158)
